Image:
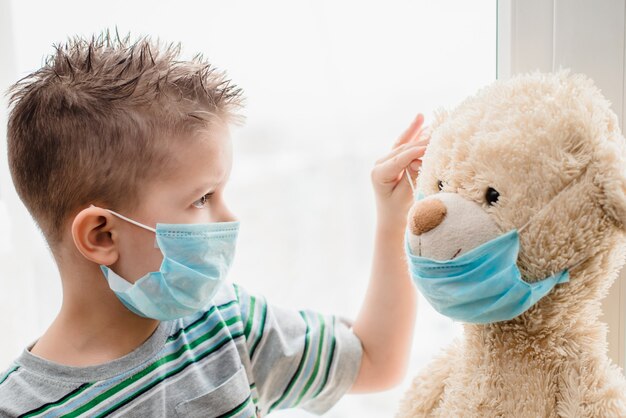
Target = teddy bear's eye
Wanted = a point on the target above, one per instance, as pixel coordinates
(492, 196)
(440, 185)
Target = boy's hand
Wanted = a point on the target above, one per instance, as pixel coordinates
(385, 323)
(393, 193)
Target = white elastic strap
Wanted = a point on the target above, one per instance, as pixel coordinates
(408, 178)
(578, 263)
(139, 224)
(572, 267)
(567, 186)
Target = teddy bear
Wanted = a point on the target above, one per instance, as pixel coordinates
(519, 230)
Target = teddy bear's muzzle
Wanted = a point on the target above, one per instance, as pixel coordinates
(443, 226)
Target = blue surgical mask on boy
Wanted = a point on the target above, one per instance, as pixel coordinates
(196, 260)
(483, 285)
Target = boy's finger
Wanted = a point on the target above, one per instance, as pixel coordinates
(396, 151)
(390, 170)
(411, 130)
(412, 171)
(423, 136)
(415, 165)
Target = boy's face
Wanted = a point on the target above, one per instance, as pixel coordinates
(190, 191)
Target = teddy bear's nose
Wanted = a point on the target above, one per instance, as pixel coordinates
(427, 215)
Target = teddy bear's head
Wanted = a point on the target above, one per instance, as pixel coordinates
(540, 153)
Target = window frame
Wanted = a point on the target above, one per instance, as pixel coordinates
(547, 35)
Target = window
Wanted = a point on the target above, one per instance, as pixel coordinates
(587, 37)
(330, 86)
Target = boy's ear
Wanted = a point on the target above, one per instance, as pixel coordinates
(94, 236)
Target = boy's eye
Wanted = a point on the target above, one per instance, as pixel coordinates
(440, 185)
(202, 201)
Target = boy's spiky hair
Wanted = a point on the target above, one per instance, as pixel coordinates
(98, 118)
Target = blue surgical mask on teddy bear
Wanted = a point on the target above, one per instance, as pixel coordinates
(196, 260)
(483, 285)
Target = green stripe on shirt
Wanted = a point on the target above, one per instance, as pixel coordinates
(295, 377)
(61, 401)
(257, 340)
(320, 347)
(248, 328)
(7, 374)
(201, 320)
(330, 361)
(237, 409)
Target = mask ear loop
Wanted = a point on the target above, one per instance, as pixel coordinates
(576, 264)
(546, 206)
(408, 178)
(572, 267)
(567, 186)
(139, 224)
(519, 231)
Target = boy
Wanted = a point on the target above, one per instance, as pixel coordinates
(113, 146)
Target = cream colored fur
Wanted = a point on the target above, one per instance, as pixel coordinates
(528, 138)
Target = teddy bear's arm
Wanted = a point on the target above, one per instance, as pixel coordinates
(599, 391)
(427, 388)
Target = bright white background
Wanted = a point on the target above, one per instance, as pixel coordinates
(330, 86)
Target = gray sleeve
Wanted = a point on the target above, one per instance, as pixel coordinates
(298, 359)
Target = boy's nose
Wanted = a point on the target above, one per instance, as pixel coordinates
(225, 215)
(427, 215)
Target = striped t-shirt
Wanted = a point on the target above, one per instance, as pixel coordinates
(239, 358)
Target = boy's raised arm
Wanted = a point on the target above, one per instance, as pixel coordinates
(386, 320)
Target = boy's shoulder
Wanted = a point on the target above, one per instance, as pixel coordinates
(240, 354)
(200, 349)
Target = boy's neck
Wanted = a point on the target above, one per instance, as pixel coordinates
(93, 326)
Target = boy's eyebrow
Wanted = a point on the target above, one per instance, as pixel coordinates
(202, 189)
(205, 187)
(210, 184)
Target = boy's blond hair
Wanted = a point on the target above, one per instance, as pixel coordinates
(95, 121)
